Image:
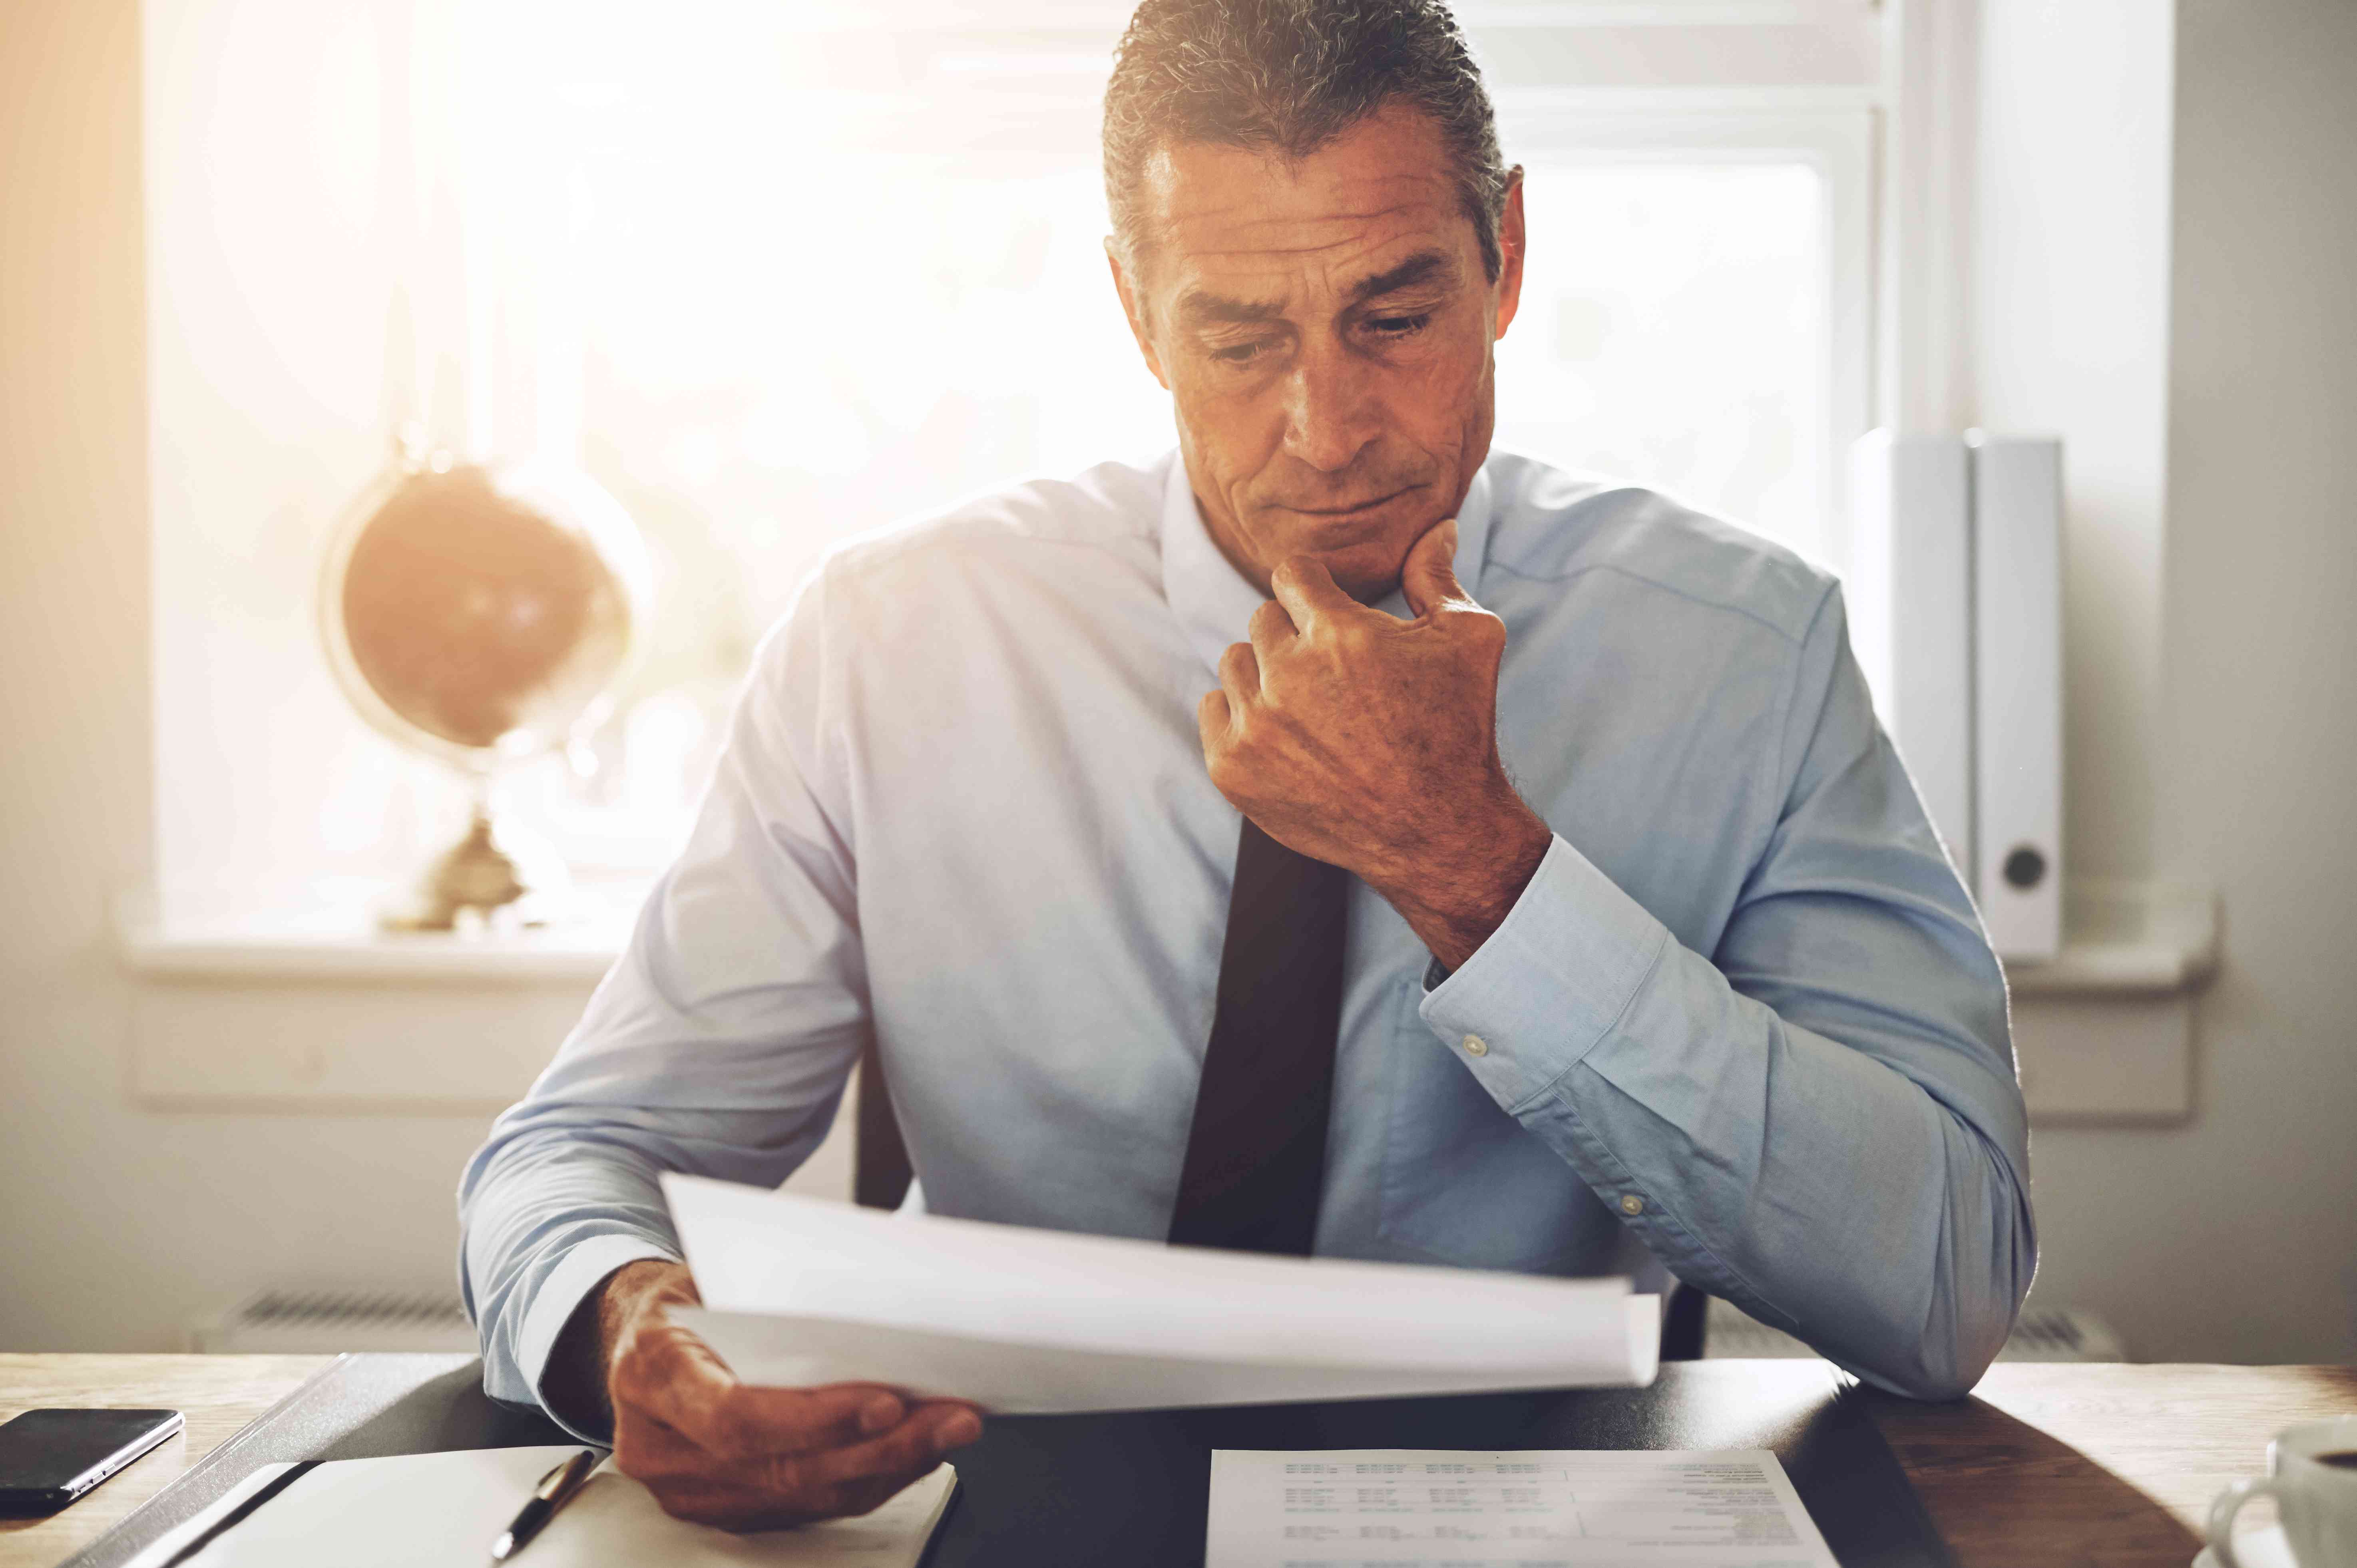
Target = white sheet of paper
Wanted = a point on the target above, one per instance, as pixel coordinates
(798, 1291)
(1419, 1507)
(447, 1507)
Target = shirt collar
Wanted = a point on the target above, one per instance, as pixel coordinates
(1213, 601)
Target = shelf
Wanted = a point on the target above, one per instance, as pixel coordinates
(525, 957)
(2128, 939)
(338, 942)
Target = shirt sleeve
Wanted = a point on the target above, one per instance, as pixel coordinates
(1820, 1120)
(719, 1044)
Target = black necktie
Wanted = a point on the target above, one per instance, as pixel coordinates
(1257, 1154)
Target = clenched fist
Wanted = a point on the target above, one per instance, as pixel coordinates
(1371, 743)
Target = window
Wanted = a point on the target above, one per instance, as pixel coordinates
(776, 275)
(1671, 332)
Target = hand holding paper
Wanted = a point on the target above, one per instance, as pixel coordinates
(720, 1452)
(799, 1293)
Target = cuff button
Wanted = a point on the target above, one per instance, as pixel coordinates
(1630, 1204)
(1474, 1046)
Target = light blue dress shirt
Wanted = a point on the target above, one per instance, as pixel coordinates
(1743, 1023)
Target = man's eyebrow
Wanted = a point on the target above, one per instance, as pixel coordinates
(1425, 266)
(1199, 308)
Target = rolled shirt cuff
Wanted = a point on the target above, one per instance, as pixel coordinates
(575, 1275)
(1551, 982)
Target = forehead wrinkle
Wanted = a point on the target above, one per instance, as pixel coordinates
(1287, 250)
(1167, 178)
(1257, 216)
(1202, 299)
(1365, 243)
(1341, 251)
(1242, 247)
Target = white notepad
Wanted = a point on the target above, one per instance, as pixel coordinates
(1361, 1507)
(447, 1507)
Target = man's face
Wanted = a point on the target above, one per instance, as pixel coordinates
(1326, 330)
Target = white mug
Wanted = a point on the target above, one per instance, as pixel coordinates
(2317, 1500)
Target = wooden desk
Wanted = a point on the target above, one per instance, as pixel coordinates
(219, 1393)
(2046, 1466)
(2100, 1465)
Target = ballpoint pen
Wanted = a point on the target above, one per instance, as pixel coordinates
(555, 1489)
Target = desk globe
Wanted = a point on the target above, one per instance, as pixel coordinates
(483, 617)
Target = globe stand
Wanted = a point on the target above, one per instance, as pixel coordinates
(493, 874)
(483, 617)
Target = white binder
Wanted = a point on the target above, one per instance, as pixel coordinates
(1912, 502)
(2017, 690)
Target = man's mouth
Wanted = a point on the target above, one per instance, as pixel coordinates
(1352, 509)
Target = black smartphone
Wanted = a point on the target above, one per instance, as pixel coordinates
(50, 1457)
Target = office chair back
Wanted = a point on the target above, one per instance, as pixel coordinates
(881, 1174)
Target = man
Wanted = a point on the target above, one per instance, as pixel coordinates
(1335, 838)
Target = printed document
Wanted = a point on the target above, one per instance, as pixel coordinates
(799, 1291)
(1428, 1507)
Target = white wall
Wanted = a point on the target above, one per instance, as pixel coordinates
(117, 1226)
(2068, 288)
(2235, 1237)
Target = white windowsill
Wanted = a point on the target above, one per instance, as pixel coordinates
(342, 944)
(261, 953)
(2128, 939)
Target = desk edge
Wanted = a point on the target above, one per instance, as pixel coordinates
(222, 1454)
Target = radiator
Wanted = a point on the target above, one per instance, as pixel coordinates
(299, 1322)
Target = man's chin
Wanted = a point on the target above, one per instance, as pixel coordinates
(1368, 573)
(1365, 549)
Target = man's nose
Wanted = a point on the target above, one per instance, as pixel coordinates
(1331, 412)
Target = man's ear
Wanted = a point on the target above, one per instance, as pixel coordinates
(1134, 308)
(1512, 245)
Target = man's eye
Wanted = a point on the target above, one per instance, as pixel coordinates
(1398, 326)
(1240, 353)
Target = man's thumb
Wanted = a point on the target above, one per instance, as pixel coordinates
(1428, 578)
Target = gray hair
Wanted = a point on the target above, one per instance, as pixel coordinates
(1289, 76)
